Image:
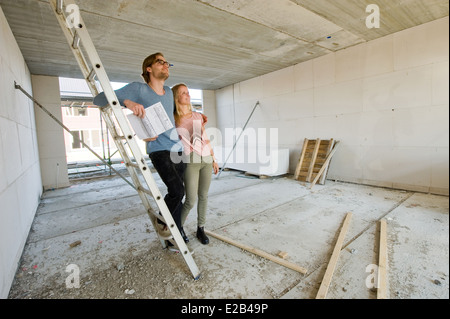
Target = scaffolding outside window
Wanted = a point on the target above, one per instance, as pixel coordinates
(91, 137)
(75, 111)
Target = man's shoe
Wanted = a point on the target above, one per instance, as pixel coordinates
(183, 234)
(202, 236)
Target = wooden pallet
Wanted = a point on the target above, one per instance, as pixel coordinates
(314, 160)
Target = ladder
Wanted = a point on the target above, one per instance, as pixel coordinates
(80, 42)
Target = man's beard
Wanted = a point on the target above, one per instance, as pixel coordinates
(162, 76)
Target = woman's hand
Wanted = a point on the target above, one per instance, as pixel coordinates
(215, 168)
(205, 118)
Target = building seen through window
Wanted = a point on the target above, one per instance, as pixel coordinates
(84, 120)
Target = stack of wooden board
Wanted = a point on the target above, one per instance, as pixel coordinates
(314, 160)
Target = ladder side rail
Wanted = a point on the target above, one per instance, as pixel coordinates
(133, 174)
(154, 189)
(123, 124)
(107, 88)
(69, 34)
(84, 67)
(122, 151)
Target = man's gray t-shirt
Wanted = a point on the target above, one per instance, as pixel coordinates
(143, 94)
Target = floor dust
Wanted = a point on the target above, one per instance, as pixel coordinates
(93, 240)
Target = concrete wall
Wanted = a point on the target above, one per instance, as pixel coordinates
(386, 100)
(52, 149)
(209, 109)
(20, 180)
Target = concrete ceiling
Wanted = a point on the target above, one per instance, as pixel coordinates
(212, 43)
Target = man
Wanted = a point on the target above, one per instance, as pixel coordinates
(165, 148)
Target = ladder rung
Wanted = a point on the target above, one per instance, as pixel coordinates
(59, 6)
(142, 189)
(91, 75)
(119, 137)
(156, 215)
(132, 165)
(76, 41)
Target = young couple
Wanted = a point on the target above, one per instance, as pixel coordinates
(189, 142)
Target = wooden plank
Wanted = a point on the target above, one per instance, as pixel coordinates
(325, 164)
(382, 262)
(300, 162)
(324, 174)
(333, 260)
(313, 160)
(283, 254)
(319, 158)
(258, 252)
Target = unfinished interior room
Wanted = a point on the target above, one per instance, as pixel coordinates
(326, 122)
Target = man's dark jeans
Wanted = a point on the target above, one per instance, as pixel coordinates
(172, 174)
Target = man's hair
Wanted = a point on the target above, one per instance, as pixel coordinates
(149, 62)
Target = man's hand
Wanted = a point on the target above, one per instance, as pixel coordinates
(136, 108)
(151, 139)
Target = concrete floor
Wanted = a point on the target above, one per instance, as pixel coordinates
(273, 215)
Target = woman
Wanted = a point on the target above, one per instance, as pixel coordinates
(199, 156)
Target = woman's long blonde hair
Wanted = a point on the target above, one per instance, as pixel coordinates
(177, 109)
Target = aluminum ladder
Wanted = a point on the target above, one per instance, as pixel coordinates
(80, 42)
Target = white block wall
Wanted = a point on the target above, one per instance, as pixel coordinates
(386, 100)
(52, 149)
(20, 179)
(209, 107)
